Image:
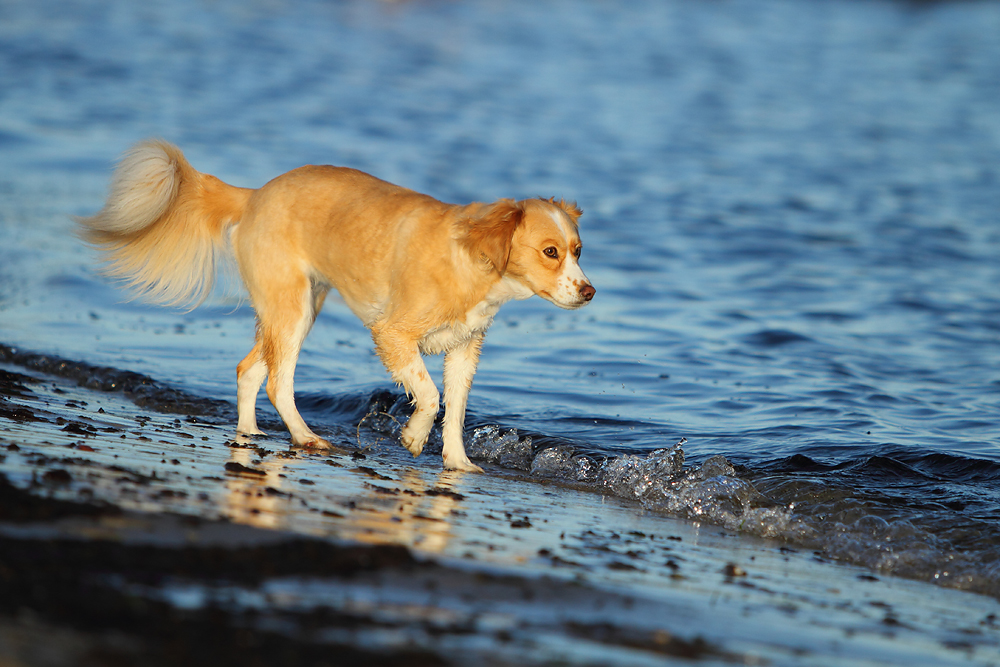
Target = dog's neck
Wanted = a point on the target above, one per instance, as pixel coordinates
(507, 289)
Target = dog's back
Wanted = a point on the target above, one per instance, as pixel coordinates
(355, 232)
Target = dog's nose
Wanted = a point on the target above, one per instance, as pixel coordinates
(587, 292)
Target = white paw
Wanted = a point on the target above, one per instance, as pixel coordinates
(413, 445)
(312, 441)
(461, 463)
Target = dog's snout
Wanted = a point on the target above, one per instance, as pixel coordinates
(588, 292)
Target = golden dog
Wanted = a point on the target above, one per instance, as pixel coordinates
(425, 277)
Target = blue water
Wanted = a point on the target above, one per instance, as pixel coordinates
(791, 218)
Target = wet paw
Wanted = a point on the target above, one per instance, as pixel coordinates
(461, 463)
(413, 445)
(314, 442)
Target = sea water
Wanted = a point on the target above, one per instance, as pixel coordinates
(791, 219)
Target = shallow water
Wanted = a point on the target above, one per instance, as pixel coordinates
(790, 217)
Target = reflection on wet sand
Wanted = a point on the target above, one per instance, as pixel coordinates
(416, 513)
(256, 497)
(415, 510)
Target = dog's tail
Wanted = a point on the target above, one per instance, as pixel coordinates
(163, 226)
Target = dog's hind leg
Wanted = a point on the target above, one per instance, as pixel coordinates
(459, 367)
(250, 375)
(286, 315)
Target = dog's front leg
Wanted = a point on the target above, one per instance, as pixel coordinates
(417, 383)
(403, 361)
(459, 367)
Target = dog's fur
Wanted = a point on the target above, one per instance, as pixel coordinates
(424, 276)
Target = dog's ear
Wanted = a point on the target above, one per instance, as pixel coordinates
(491, 232)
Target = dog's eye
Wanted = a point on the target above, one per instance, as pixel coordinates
(576, 253)
(551, 252)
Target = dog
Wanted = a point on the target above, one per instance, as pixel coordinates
(425, 277)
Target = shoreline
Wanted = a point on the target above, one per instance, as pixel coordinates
(508, 569)
(126, 582)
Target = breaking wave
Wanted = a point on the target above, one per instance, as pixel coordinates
(846, 514)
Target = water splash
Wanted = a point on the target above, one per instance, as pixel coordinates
(376, 429)
(810, 514)
(505, 449)
(709, 492)
(562, 462)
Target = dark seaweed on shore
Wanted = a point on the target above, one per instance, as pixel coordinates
(143, 390)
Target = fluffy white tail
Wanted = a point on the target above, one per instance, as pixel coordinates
(163, 225)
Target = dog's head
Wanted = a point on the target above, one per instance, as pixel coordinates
(537, 243)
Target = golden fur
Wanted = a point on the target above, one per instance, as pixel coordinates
(425, 277)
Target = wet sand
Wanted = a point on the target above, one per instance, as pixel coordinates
(134, 529)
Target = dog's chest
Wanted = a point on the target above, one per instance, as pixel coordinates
(477, 320)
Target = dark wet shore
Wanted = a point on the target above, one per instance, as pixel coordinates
(80, 579)
(62, 603)
(147, 536)
(71, 601)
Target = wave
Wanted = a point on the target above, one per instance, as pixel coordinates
(900, 513)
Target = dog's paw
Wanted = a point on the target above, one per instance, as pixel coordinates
(413, 445)
(461, 463)
(312, 441)
(245, 439)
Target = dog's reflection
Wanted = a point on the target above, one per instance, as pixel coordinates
(357, 504)
(418, 514)
(254, 495)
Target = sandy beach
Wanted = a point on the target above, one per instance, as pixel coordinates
(147, 539)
